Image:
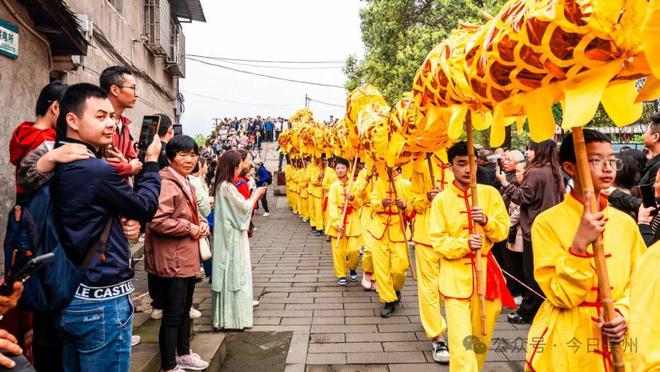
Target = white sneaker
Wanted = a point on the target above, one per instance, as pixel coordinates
(366, 281)
(192, 362)
(135, 340)
(194, 313)
(266, 214)
(441, 351)
(176, 368)
(255, 303)
(156, 314)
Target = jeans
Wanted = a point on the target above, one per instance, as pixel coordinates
(96, 334)
(264, 203)
(174, 335)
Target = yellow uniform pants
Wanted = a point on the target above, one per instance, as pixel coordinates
(390, 265)
(304, 208)
(316, 212)
(367, 259)
(468, 349)
(430, 301)
(345, 255)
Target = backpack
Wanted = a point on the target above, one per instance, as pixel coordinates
(32, 231)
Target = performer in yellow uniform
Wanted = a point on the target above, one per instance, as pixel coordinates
(297, 175)
(295, 188)
(644, 347)
(453, 234)
(346, 251)
(288, 176)
(362, 190)
(316, 197)
(390, 247)
(568, 333)
(303, 181)
(329, 177)
(424, 189)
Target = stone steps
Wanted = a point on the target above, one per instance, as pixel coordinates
(145, 357)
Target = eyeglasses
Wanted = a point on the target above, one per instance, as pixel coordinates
(616, 164)
(134, 87)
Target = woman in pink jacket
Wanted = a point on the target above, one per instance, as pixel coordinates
(171, 250)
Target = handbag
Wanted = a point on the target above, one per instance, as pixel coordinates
(205, 249)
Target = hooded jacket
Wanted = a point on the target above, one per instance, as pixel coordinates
(25, 139)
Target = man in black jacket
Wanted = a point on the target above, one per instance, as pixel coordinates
(630, 203)
(87, 194)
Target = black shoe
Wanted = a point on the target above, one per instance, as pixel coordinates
(398, 297)
(353, 275)
(314, 229)
(327, 239)
(515, 318)
(388, 310)
(342, 282)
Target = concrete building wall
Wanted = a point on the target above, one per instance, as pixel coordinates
(121, 27)
(22, 79)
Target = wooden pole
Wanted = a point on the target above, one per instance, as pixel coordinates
(481, 290)
(402, 224)
(598, 251)
(429, 162)
(343, 214)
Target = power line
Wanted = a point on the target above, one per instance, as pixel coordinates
(285, 67)
(324, 103)
(286, 107)
(266, 76)
(262, 61)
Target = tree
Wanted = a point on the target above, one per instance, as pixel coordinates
(200, 139)
(398, 34)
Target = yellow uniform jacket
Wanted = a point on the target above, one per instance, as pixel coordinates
(565, 335)
(336, 200)
(386, 223)
(421, 185)
(315, 185)
(644, 321)
(303, 181)
(295, 175)
(450, 228)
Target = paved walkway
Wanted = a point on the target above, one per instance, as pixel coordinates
(337, 328)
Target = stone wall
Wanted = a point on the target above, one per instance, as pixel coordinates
(22, 79)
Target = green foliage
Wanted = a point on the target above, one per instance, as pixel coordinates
(200, 139)
(398, 34)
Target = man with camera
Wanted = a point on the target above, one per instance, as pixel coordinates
(96, 326)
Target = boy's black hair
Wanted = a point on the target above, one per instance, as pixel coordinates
(113, 75)
(567, 151)
(181, 143)
(458, 149)
(74, 100)
(343, 161)
(49, 94)
(165, 124)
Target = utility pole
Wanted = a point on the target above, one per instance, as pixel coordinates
(215, 122)
(307, 99)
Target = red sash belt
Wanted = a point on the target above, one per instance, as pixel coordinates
(325, 204)
(495, 283)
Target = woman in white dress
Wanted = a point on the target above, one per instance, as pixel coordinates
(232, 270)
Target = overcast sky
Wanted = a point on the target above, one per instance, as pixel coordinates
(291, 30)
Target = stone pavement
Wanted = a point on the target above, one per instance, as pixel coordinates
(335, 328)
